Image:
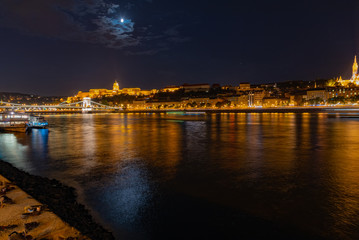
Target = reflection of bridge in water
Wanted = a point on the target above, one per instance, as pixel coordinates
(86, 105)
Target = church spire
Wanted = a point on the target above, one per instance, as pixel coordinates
(355, 67)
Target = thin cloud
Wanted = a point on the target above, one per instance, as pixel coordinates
(90, 21)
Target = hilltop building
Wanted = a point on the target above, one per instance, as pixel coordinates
(244, 86)
(98, 93)
(116, 87)
(354, 80)
(170, 89)
(203, 87)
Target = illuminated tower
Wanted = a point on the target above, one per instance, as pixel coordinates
(355, 68)
(116, 87)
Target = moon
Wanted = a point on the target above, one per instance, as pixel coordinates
(122, 20)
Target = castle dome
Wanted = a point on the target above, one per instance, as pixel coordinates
(116, 87)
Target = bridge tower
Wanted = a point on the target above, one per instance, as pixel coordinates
(86, 104)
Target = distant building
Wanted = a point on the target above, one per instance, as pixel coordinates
(139, 104)
(204, 101)
(164, 105)
(170, 89)
(131, 91)
(342, 92)
(292, 101)
(96, 93)
(196, 87)
(228, 87)
(148, 92)
(244, 86)
(241, 101)
(317, 93)
(354, 80)
(275, 102)
(255, 98)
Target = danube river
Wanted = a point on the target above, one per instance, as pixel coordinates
(249, 175)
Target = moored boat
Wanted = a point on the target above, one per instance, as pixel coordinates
(13, 122)
(14, 128)
(37, 122)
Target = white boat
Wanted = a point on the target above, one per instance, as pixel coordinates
(13, 122)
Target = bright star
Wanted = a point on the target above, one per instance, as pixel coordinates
(122, 20)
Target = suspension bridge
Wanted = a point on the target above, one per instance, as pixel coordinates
(85, 106)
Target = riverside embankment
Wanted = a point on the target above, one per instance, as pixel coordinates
(59, 199)
(318, 109)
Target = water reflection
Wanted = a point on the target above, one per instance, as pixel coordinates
(13, 151)
(294, 169)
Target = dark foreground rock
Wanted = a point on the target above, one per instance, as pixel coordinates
(59, 198)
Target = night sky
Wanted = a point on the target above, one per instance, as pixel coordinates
(57, 47)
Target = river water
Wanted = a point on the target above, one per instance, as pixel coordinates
(248, 176)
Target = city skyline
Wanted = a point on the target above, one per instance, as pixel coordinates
(56, 48)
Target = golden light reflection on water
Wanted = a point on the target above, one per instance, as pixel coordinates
(119, 138)
(301, 169)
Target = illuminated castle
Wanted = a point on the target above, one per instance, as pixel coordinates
(96, 93)
(116, 87)
(355, 76)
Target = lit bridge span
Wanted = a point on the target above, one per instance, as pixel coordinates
(86, 105)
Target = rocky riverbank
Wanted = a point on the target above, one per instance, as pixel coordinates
(60, 199)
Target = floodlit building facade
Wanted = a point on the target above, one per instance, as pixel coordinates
(321, 93)
(96, 93)
(354, 80)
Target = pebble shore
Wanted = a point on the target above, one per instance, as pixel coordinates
(59, 199)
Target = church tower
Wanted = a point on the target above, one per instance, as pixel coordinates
(355, 68)
(116, 87)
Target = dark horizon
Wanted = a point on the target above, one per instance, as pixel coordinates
(61, 47)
